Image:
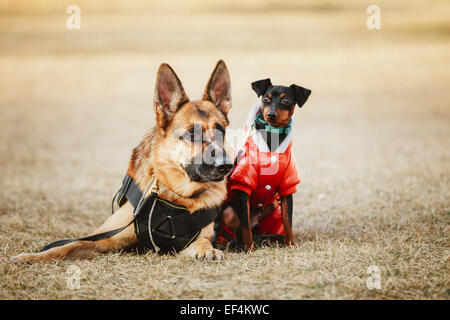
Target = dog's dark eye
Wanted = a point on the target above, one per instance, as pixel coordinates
(266, 99)
(220, 129)
(286, 101)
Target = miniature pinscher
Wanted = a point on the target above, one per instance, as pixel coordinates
(263, 201)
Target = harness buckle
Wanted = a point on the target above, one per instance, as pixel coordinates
(154, 187)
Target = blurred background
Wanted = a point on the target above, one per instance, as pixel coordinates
(373, 139)
(74, 102)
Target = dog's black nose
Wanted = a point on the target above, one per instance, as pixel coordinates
(272, 115)
(224, 168)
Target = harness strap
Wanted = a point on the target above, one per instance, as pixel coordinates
(157, 249)
(129, 191)
(181, 221)
(95, 237)
(171, 224)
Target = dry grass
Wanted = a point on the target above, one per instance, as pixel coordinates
(372, 144)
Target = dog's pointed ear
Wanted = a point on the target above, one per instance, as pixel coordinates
(218, 88)
(169, 95)
(301, 94)
(261, 86)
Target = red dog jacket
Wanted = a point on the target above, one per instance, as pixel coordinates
(265, 176)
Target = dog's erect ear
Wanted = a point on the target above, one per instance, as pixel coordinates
(218, 88)
(169, 95)
(261, 86)
(301, 94)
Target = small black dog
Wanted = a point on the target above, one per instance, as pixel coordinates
(264, 201)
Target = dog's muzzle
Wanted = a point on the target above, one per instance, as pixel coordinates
(203, 172)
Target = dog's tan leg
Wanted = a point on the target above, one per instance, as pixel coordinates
(202, 248)
(78, 249)
(230, 219)
(246, 231)
(288, 235)
(260, 215)
(235, 222)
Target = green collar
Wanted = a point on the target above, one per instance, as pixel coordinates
(260, 123)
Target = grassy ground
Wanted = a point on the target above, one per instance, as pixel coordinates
(372, 143)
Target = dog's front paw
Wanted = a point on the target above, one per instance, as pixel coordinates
(289, 241)
(202, 250)
(249, 247)
(209, 254)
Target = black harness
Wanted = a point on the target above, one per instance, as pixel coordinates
(162, 225)
(159, 224)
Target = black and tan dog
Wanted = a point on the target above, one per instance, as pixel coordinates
(265, 177)
(167, 152)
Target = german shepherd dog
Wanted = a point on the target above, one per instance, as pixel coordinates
(167, 152)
